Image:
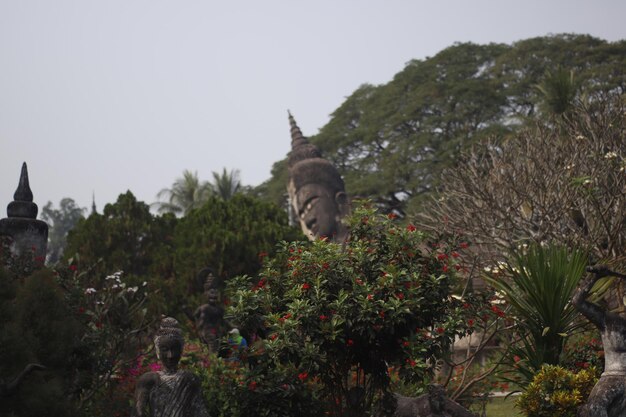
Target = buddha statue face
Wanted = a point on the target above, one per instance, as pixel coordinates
(169, 350)
(212, 296)
(320, 210)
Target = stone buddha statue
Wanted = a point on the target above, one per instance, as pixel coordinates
(209, 318)
(608, 396)
(316, 190)
(171, 391)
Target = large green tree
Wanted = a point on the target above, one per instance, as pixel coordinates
(126, 236)
(392, 141)
(231, 236)
(60, 221)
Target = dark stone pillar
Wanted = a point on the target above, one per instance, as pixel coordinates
(28, 235)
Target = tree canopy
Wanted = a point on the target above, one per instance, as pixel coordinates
(392, 141)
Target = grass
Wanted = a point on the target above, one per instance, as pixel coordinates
(502, 407)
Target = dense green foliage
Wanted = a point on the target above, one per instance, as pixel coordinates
(345, 314)
(556, 392)
(126, 237)
(227, 235)
(79, 327)
(230, 236)
(391, 142)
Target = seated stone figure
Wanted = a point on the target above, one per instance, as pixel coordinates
(608, 396)
(209, 317)
(170, 392)
(316, 190)
(432, 404)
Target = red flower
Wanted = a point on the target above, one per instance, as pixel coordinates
(516, 358)
(325, 265)
(381, 314)
(287, 316)
(73, 268)
(262, 255)
(350, 342)
(457, 267)
(445, 268)
(466, 305)
(442, 256)
(359, 281)
(410, 362)
(411, 228)
(496, 310)
(392, 216)
(323, 317)
(370, 297)
(463, 245)
(303, 375)
(306, 286)
(81, 310)
(455, 254)
(470, 322)
(440, 330)
(405, 343)
(400, 296)
(273, 336)
(252, 386)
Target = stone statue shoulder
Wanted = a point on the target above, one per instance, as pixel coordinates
(148, 381)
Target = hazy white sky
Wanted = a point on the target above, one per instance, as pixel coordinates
(109, 95)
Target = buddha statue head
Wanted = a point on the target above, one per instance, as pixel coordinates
(316, 190)
(169, 343)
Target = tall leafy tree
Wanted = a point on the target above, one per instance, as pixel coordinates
(60, 221)
(232, 236)
(126, 236)
(391, 142)
(186, 194)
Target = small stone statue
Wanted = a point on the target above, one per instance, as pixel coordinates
(170, 392)
(432, 404)
(316, 190)
(608, 396)
(209, 317)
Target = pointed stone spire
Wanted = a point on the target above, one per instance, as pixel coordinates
(23, 205)
(93, 202)
(27, 234)
(301, 148)
(297, 138)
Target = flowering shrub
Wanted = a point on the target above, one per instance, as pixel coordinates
(584, 351)
(557, 392)
(332, 311)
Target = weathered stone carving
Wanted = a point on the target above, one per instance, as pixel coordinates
(209, 317)
(27, 234)
(316, 190)
(7, 388)
(170, 392)
(608, 396)
(432, 404)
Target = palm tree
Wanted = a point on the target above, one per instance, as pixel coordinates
(186, 194)
(558, 91)
(226, 184)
